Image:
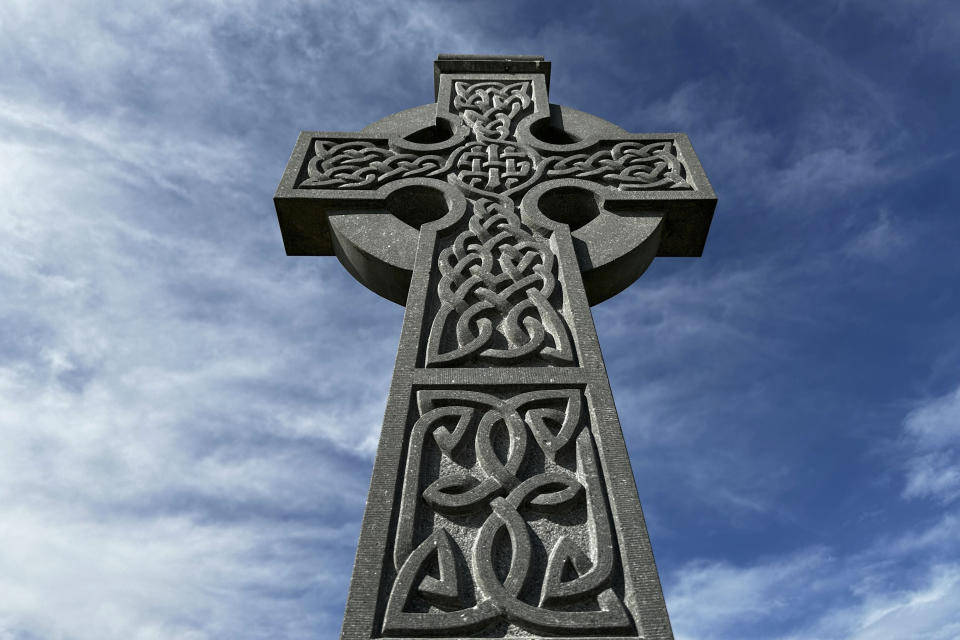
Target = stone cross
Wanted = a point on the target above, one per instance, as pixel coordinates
(502, 501)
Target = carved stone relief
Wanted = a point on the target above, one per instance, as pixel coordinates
(503, 518)
(499, 292)
(502, 503)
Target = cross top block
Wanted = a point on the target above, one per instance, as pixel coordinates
(493, 133)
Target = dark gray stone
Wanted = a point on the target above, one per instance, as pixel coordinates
(502, 501)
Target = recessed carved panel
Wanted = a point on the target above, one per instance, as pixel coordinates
(503, 522)
(500, 297)
(628, 166)
(491, 109)
(363, 164)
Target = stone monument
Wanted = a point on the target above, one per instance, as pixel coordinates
(502, 501)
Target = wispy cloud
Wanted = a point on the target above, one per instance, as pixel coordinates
(882, 238)
(932, 433)
(926, 611)
(162, 577)
(711, 599)
(879, 592)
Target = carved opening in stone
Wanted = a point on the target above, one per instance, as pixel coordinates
(417, 205)
(546, 132)
(551, 131)
(572, 206)
(437, 132)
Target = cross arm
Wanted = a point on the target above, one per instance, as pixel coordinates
(362, 199)
(638, 174)
(337, 171)
(626, 197)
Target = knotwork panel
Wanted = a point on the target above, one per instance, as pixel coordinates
(503, 525)
(365, 164)
(629, 166)
(491, 109)
(498, 300)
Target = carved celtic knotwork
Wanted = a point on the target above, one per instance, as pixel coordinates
(490, 109)
(627, 165)
(494, 161)
(502, 503)
(358, 164)
(473, 482)
(495, 168)
(499, 293)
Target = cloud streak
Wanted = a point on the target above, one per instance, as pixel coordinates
(932, 431)
(874, 593)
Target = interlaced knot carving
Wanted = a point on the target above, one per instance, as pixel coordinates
(358, 164)
(494, 167)
(495, 163)
(490, 109)
(628, 166)
(451, 575)
(500, 301)
(498, 294)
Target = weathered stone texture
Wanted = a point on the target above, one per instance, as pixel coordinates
(502, 501)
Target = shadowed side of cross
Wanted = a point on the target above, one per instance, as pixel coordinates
(497, 219)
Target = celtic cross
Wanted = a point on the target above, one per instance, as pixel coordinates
(502, 501)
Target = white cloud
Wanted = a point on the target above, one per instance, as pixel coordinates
(937, 422)
(925, 611)
(928, 612)
(157, 578)
(826, 173)
(712, 599)
(932, 431)
(894, 588)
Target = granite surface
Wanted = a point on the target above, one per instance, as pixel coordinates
(502, 501)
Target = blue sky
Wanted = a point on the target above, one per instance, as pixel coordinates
(188, 417)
